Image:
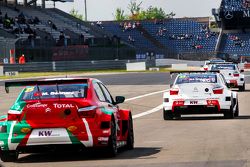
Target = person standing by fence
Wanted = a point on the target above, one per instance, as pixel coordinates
(22, 59)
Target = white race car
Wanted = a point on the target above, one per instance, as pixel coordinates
(199, 92)
(208, 63)
(234, 77)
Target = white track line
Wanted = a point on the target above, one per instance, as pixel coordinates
(141, 96)
(148, 112)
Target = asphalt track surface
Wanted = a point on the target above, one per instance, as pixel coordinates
(192, 141)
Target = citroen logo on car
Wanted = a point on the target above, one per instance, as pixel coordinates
(228, 15)
(48, 110)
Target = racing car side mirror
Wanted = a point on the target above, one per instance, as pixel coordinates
(119, 99)
(242, 70)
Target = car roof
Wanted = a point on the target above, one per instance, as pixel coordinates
(205, 73)
(63, 79)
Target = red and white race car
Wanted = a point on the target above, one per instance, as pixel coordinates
(64, 113)
(199, 92)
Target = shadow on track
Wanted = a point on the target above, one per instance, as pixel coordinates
(243, 117)
(199, 118)
(138, 152)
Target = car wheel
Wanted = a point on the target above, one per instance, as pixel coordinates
(112, 144)
(168, 115)
(9, 156)
(242, 88)
(130, 137)
(236, 114)
(229, 114)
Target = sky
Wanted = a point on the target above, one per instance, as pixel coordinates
(103, 10)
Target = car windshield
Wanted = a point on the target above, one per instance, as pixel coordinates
(223, 67)
(196, 78)
(54, 91)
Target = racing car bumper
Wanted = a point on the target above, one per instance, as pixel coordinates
(235, 83)
(31, 142)
(201, 109)
(207, 107)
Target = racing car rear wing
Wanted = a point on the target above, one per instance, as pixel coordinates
(42, 82)
(221, 63)
(178, 72)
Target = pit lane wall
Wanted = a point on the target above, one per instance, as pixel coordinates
(92, 65)
(169, 62)
(73, 65)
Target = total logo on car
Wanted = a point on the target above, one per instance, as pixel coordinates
(75, 113)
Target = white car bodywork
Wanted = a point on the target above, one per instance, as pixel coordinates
(208, 63)
(200, 98)
(233, 76)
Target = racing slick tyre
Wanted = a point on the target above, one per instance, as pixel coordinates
(236, 114)
(242, 88)
(130, 137)
(112, 143)
(8, 156)
(229, 114)
(168, 115)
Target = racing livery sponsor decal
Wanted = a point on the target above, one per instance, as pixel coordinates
(57, 105)
(37, 105)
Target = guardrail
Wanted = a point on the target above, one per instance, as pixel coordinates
(73, 65)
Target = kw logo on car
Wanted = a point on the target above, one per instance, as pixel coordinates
(56, 105)
(45, 133)
(193, 102)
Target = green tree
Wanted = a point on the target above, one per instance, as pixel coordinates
(75, 13)
(119, 14)
(134, 7)
(137, 13)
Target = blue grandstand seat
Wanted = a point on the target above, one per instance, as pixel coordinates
(179, 28)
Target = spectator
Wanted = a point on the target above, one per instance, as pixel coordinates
(99, 23)
(81, 37)
(22, 59)
(54, 27)
(134, 25)
(130, 39)
(21, 18)
(36, 20)
(6, 16)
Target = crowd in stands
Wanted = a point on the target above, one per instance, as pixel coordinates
(163, 32)
(19, 24)
(235, 5)
(236, 40)
(126, 26)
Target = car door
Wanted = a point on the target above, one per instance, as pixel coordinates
(111, 106)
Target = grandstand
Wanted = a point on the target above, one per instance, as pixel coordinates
(49, 34)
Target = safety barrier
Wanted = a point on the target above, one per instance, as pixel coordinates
(73, 65)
